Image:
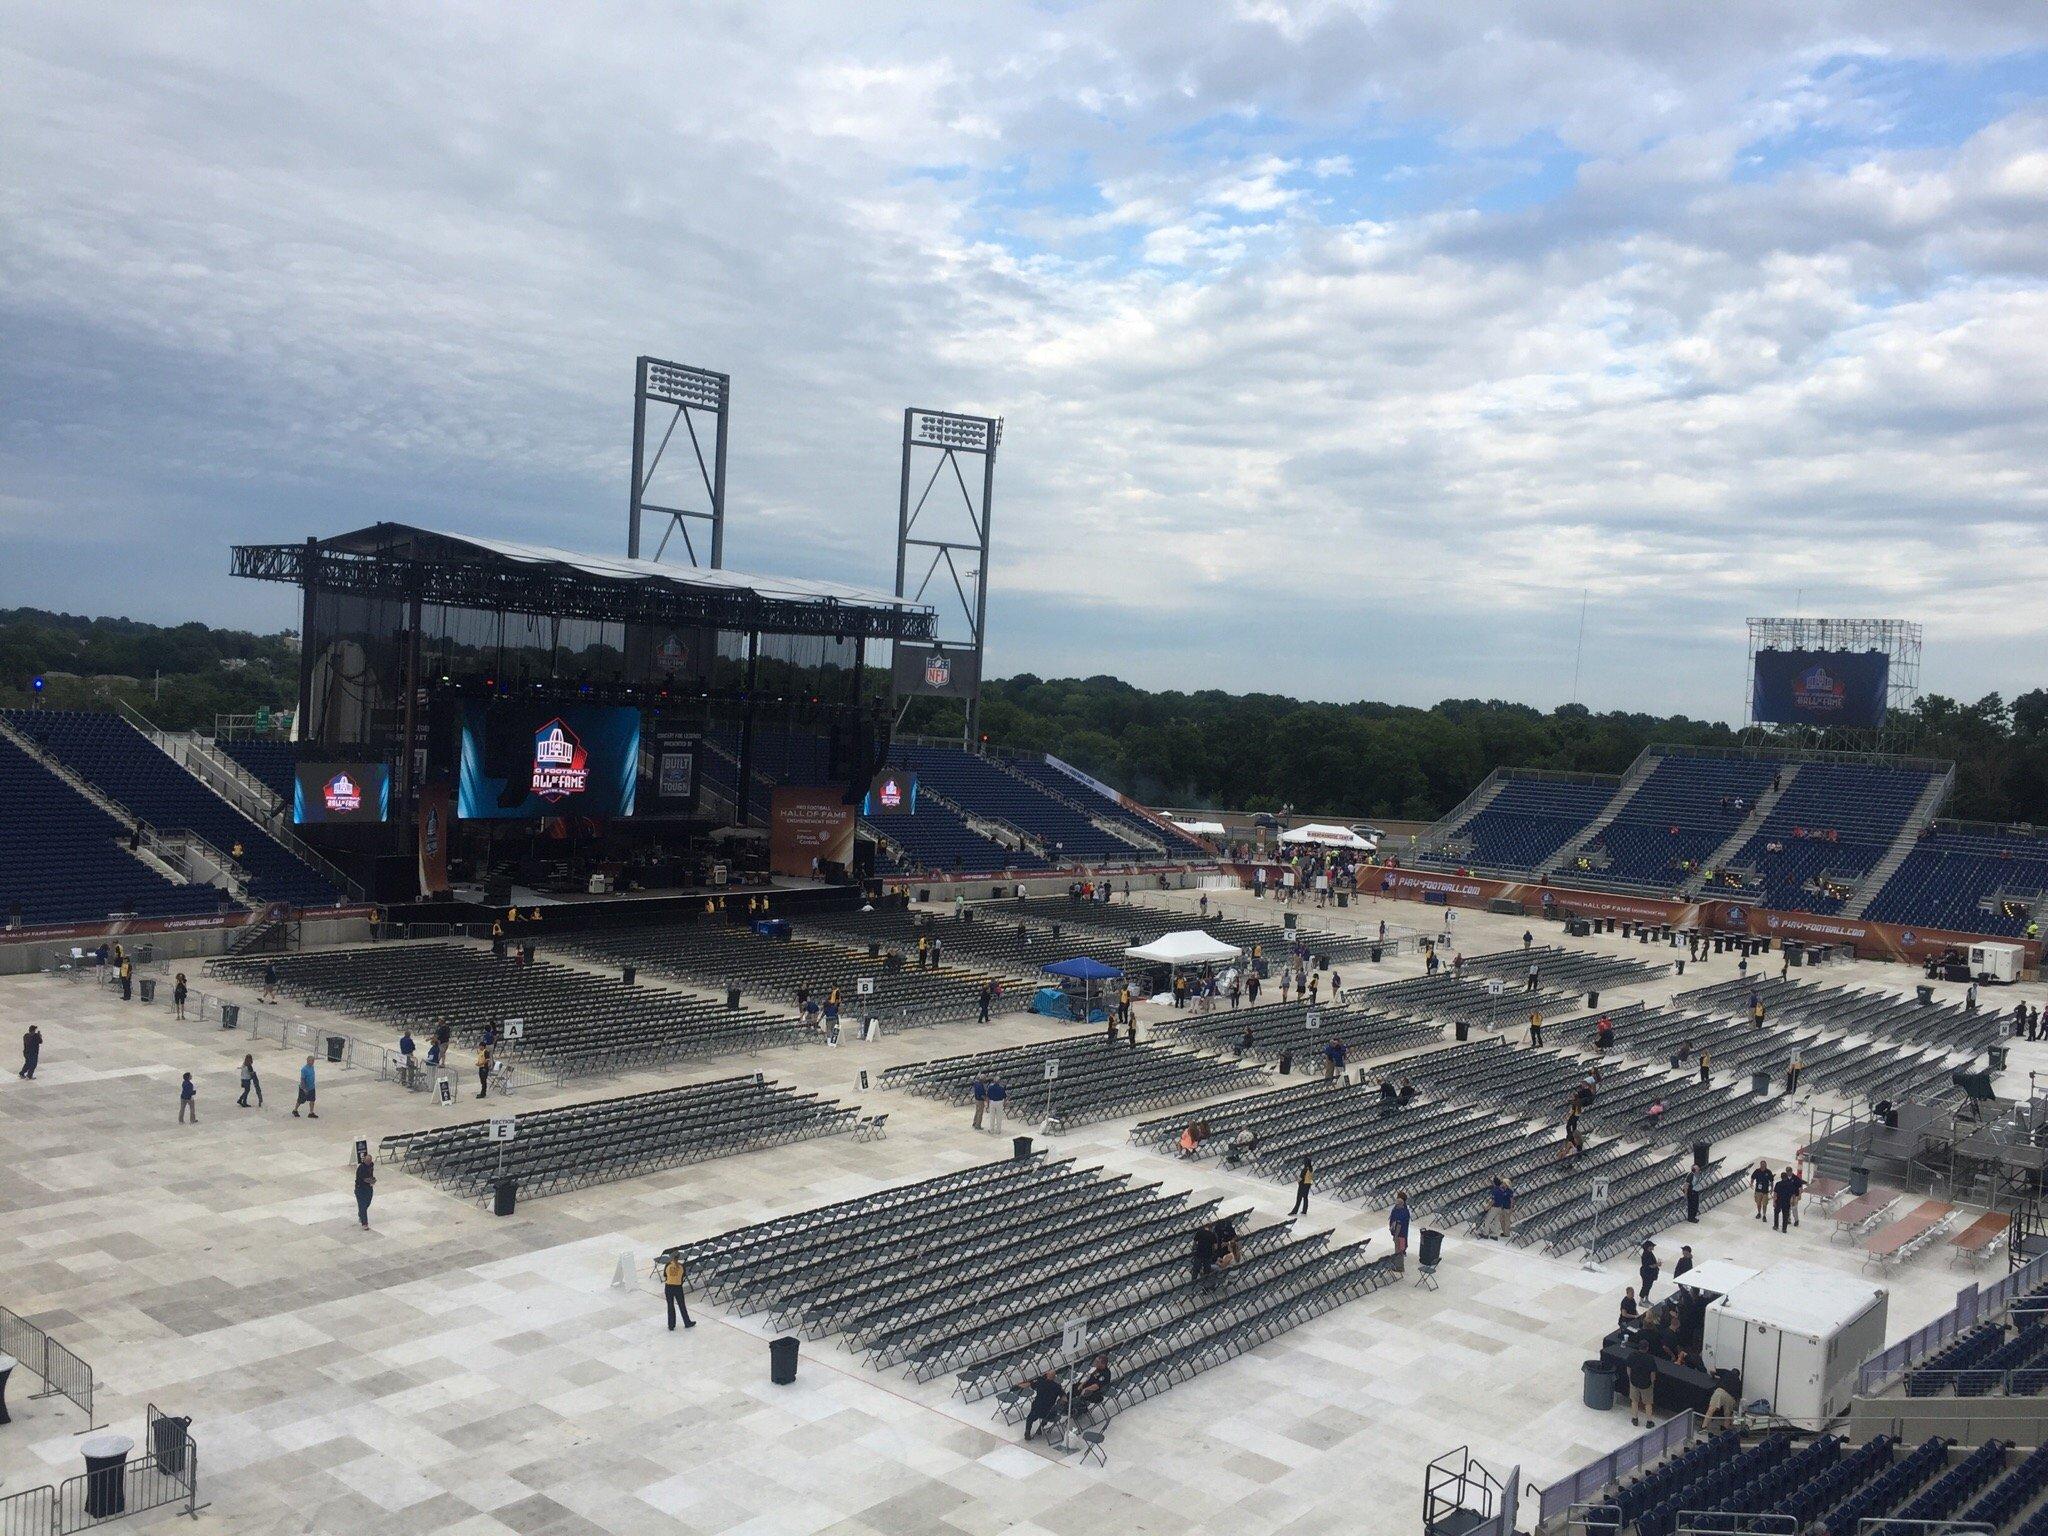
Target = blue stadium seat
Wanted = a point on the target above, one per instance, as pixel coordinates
(64, 860)
(126, 767)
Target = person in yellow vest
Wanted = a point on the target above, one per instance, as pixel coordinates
(672, 1289)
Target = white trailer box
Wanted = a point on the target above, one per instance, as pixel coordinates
(1997, 962)
(1797, 1334)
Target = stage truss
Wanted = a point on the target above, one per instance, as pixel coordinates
(1899, 639)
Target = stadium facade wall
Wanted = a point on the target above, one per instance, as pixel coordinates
(1870, 941)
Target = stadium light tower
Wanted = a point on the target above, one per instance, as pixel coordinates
(956, 534)
(687, 394)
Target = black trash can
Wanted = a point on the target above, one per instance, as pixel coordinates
(1681, 966)
(504, 1195)
(874, 949)
(629, 974)
(1859, 1181)
(782, 1360)
(336, 1044)
(1592, 999)
(1998, 1054)
(1376, 954)
(526, 953)
(1925, 994)
(1343, 900)
(167, 1443)
(1598, 1385)
(230, 1015)
(1759, 1083)
(1020, 1148)
(149, 989)
(732, 997)
(1463, 1029)
(1702, 1154)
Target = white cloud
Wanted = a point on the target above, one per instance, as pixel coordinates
(270, 273)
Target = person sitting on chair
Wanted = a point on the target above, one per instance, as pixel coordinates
(1089, 1389)
(1229, 1250)
(1048, 1399)
(1242, 1145)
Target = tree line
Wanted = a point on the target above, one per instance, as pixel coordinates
(1231, 751)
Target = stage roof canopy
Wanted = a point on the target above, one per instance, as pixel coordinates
(467, 570)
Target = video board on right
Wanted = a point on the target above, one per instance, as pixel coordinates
(1820, 688)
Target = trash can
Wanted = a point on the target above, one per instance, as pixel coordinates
(504, 1195)
(1020, 1148)
(924, 893)
(732, 996)
(149, 989)
(1925, 994)
(167, 1443)
(1343, 900)
(526, 953)
(336, 1044)
(874, 949)
(1759, 1083)
(1463, 1029)
(1598, 1384)
(1376, 954)
(1681, 966)
(629, 974)
(1592, 999)
(1998, 1054)
(230, 1015)
(782, 1360)
(1859, 1181)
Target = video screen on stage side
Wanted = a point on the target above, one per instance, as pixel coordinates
(1823, 688)
(521, 761)
(892, 792)
(341, 792)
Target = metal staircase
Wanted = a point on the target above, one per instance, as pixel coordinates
(1733, 844)
(1645, 764)
(1922, 816)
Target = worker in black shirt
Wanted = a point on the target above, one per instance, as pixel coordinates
(1642, 1382)
(1047, 1397)
(1089, 1390)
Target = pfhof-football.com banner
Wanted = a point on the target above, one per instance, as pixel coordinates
(931, 671)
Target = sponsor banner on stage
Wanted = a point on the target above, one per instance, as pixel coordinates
(1821, 688)
(675, 757)
(341, 792)
(530, 760)
(809, 829)
(933, 671)
(436, 807)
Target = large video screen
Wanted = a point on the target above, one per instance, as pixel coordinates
(522, 760)
(1823, 688)
(341, 792)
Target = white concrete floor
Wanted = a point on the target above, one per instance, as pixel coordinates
(452, 1371)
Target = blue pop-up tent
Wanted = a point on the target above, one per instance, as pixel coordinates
(1089, 972)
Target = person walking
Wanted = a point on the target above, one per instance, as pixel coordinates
(1792, 1071)
(1535, 1028)
(672, 1292)
(188, 1101)
(1503, 1202)
(1647, 1270)
(269, 994)
(1684, 1264)
(179, 992)
(1706, 1059)
(998, 1104)
(1302, 1182)
(1533, 979)
(1692, 1196)
(251, 1083)
(307, 1093)
(1760, 1186)
(985, 1001)
(1398, 1220)
(979, 1093)
(483, 1071)
(366, 1188)
(31, 1051)
(1781, 1201)
(1798, 1189)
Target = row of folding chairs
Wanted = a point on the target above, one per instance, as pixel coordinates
(985, 936)
(575, 1146)
(1581, 970)
(1651, 1213)
(1136, 923)
(1092, 1078)
(1866, 1011)
(1298, 1029)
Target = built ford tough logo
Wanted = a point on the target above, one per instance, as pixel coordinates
(560, 766)
(342, 795)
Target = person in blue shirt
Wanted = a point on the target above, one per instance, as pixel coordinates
(306, 1092)
(188, 1105)
(980, 1092)
(1333, 1060)
(1397, 1226)
(998, 1104)
(405, 1051)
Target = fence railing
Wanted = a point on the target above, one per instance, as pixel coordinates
(1973, 1304)
(1596, 1476)
(63, 1373)
(167, 1473)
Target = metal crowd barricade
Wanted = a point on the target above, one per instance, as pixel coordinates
(63, 1373)
(1597, 1476)
(31, 1512)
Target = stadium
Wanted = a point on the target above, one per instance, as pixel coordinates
(612, 1040)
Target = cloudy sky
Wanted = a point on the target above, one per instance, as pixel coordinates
(1341, 344)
